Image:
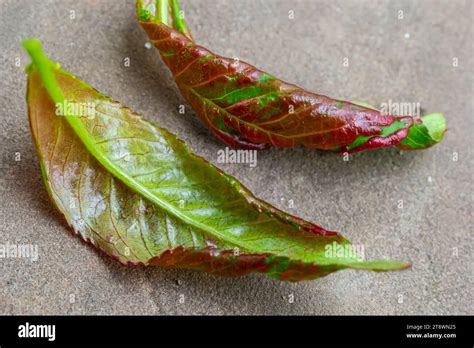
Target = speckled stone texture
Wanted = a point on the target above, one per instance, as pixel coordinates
(405, 60)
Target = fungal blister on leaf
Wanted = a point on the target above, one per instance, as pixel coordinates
(248, 108)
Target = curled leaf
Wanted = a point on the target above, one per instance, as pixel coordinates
(137, 192)
(246, 107)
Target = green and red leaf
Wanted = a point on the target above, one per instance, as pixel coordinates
(248, 108)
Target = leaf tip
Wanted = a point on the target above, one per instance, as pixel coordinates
(426, 131)
(435, 123)
(381, 265)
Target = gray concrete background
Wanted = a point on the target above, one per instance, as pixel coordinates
(407, 60)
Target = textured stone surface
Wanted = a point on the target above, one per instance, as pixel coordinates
(407, 60)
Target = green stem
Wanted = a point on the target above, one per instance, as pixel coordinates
(44, 66)
(162, 11)
(178, 21)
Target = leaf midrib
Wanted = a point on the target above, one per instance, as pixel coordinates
(133, 184)
(254, 125)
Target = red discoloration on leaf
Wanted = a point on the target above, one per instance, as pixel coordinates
(226, 263)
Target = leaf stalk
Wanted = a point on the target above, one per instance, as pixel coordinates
(162, 11)
(178, 19)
